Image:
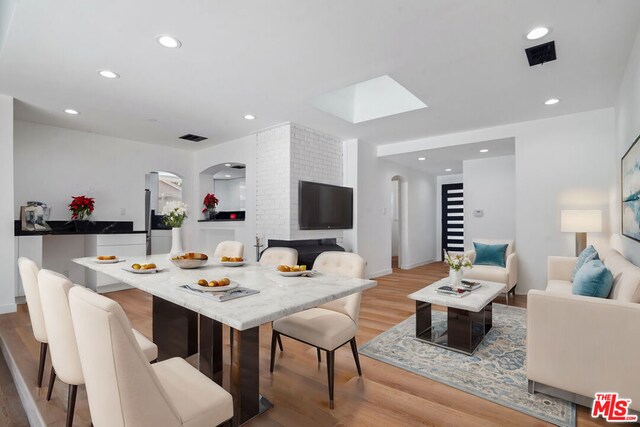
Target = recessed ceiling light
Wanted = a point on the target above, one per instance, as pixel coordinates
(227, 176)
(108, 74)
(422, 158)
(249, 117)
(228, 165)
(447, 170)
(537, 33)
(168, 41)
(484, 150)
(71, 111)
(551, 101)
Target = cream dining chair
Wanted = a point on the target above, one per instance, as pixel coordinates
(229, 248)
(331, 325)
(29, 275)
(65, 360)
(123, 388)
(279, 256)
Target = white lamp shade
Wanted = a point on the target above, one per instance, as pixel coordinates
(581, 221)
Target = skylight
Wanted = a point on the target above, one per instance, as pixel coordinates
(368, 100)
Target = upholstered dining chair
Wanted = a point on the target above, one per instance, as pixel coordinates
(229, 248)
(29, 275)
(331, 325)
(65, 360)
(123, 388)
(279, 256)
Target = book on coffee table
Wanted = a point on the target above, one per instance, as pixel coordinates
(453, 292)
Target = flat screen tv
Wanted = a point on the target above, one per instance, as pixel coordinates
(324, 206)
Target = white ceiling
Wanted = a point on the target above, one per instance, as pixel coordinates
(438, 160)
(463, 58)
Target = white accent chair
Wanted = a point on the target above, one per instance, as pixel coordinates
(29, 275)
(65, 360)
(279, 256)
(123, 388)
(331, 325)
(491, 273)
(229, 248)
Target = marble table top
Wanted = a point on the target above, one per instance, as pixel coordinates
(475, 301)
(279, 296)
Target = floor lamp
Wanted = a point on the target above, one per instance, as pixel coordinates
(581, 222)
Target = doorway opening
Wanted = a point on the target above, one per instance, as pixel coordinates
(396, 221)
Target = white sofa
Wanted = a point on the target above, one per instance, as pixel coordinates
(576, 345)
(491, 273)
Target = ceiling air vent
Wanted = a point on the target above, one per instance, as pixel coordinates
(542, 53)
(238, 167)
(193, 138)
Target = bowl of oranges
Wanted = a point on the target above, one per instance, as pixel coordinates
(232, 261)
(292, 270)
(190, 260)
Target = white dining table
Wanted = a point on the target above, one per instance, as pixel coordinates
(185, 323)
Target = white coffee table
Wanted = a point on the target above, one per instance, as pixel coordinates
(469, 318)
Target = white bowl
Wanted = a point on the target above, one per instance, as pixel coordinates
(188, 264)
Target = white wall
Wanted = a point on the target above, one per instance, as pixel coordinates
(627, 130)
(440, 181)
(52, 164)
(231, 194)
(564, 162)
(316, 157)
(273, 182)
(490, 186)
(7, 241)
(373, 186)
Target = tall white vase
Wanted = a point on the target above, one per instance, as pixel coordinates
(455, 276)
(176, 242)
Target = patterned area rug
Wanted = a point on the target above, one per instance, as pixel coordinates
(495, 372)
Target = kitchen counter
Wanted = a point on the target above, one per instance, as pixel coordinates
(71, 228)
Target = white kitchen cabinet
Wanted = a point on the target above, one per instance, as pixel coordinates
(121, 245)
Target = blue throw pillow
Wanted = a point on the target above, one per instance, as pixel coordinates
(588, 254)
(593, 280)
(490, 254)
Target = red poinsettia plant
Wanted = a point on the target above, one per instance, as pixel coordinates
(210, 202)
(81, 206)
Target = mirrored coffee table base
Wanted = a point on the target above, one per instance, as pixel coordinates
(463, 332)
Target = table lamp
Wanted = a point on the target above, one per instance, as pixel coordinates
(581, 222)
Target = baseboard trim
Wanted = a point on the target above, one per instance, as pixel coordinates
(380, 273)
(9, 308)
(417, 264)
(26, 398)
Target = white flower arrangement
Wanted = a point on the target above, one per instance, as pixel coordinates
(174, 213)
(457, 262)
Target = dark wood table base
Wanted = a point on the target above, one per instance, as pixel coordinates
(464, 332)
(175, 332)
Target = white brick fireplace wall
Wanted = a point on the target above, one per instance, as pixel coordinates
(285, 155)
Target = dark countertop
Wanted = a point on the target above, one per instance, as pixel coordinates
(59, 228)
(222, 220)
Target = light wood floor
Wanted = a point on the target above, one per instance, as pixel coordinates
(384, 396)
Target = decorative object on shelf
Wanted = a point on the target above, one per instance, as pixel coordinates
(631, 192)
(81, 207)
(258, 245)
(34, 216)
(210, 202)
(456, 263)
(174, 213)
